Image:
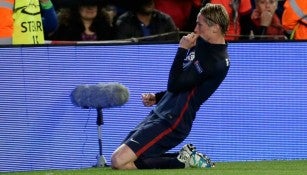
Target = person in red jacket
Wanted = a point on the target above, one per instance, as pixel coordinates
(183, 12)
(294, 18)
(265, 23)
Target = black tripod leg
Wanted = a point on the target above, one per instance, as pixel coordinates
(101, 161)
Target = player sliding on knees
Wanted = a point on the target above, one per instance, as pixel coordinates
(199, 67)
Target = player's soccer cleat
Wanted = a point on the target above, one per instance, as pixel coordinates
(185, 154)
(189, 148)
(191, 158)
(198, 160)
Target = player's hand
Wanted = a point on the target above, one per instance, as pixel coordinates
(148, 99)
(188, 41)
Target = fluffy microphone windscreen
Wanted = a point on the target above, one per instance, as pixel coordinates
(101, 95)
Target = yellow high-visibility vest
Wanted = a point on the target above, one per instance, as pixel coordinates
(28, 26)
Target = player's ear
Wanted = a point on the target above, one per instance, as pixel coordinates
(216, 28)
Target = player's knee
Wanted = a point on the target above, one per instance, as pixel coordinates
(116, 162)
(123, 158)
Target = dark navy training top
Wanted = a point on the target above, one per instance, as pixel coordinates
(194, 76)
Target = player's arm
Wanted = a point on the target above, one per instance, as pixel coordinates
(182, 79)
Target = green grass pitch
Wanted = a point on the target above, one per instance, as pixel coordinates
(294, 167)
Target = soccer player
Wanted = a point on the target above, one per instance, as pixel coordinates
(199, 67)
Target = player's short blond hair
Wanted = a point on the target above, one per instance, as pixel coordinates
(216, 14)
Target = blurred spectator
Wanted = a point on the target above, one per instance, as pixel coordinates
(143, 20)
(49, 17)
(20, 26)
(279, 10)
(6, 24)
(85, 21)
(265, 23)
(115, 8)
(238, 11)
(295, 18)
(58, 4)
(111, 11)
(183, 12)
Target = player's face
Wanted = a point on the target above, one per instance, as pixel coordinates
(202, 28)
